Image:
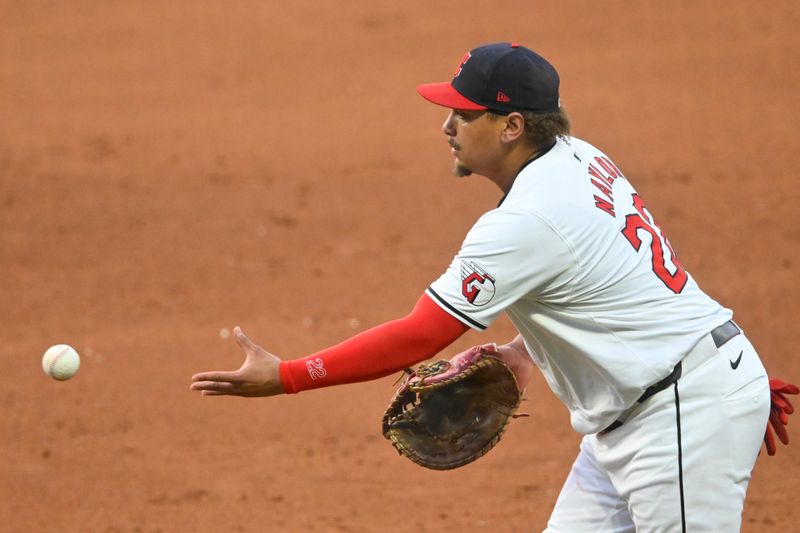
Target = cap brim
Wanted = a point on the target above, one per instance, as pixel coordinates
(444, 94)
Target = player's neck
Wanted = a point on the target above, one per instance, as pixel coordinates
(510, 166)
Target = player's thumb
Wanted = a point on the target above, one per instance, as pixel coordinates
(243, 340)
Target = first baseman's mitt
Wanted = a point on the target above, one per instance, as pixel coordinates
(449, 413)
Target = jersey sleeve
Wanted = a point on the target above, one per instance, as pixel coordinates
(507, 255)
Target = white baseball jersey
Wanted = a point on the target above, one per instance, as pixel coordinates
(587, 277)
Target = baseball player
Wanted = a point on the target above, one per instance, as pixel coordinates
(671, 397)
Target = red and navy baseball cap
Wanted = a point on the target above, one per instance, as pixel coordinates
(500, 77)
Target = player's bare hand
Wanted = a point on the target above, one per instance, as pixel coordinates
(258, 376)
(516, 356)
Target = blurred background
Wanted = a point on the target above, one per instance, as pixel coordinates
(171, 170)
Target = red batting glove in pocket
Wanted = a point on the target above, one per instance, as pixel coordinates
(780, 409)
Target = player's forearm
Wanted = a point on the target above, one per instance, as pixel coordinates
(377, 352)
(518, 344)
(516, 356)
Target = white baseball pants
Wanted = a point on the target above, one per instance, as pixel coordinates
(682, 461)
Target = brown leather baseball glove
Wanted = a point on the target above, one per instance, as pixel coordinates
(449, 413)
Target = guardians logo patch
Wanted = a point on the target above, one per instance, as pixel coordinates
(477, 285)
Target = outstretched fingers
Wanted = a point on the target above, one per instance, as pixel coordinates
(243, 340)
(217, 375)
(259, 374)
(216, 387)
(216, 382)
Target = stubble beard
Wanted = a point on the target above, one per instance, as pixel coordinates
(460, 171)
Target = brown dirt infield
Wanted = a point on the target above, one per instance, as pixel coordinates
(168, 170)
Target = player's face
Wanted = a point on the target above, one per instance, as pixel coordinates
(475, 141)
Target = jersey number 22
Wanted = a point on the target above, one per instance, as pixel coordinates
(642, 221)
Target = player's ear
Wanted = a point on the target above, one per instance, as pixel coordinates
(514, 127)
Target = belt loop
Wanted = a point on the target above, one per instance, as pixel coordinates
(724, 333)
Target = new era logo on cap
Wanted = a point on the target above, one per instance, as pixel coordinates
(501, 77)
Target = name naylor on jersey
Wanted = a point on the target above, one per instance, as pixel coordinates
(603, 173)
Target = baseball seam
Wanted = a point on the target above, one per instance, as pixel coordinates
(55, 360)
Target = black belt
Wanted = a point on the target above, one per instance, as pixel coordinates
(720, 335)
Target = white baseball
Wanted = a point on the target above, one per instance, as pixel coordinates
(61, 362)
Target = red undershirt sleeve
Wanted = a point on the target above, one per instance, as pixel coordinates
(376, 352)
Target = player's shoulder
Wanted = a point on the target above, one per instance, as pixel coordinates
(544, 181)
(560, 188)
(581, 145)
(568, 154)
(585, 152)
(559, 173)
(512, 223)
